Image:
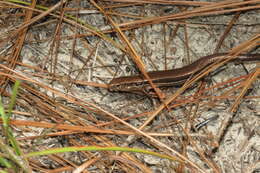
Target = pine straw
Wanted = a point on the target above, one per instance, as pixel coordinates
(48, 110)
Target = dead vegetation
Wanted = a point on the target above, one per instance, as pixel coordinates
(66, 52)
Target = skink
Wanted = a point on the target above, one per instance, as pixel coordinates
(175, 77)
